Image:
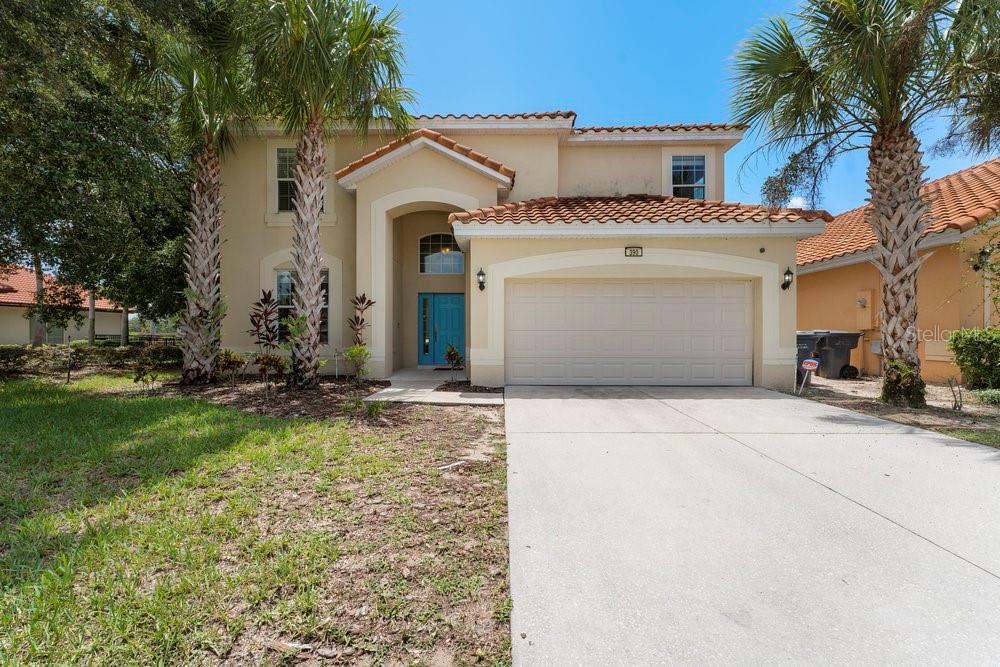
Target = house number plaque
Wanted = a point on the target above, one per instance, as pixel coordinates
(633, 251)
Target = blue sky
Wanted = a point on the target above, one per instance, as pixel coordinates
(614, 63)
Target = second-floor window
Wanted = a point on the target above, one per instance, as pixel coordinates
(286, 180)
(688, 176)
(285, 283)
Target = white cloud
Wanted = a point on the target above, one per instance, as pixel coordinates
(797, 202)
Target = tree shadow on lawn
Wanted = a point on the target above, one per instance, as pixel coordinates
(63, 449)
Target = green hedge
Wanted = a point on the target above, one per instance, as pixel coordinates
(977, 353)
(19, 359)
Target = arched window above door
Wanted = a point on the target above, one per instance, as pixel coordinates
(439, 254)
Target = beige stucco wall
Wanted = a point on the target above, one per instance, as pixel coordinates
(534, 157)
(609, 170)
(949, 295)
(410, 282)
(15, 328)
(617, 169)
(105, 324)
(774, 329)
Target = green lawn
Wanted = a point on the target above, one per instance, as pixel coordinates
(989, 437)
(165, 530)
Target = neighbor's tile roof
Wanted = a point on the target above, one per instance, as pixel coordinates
(436, 137)
(958, 201)
(630, 208)
(679, 127)
(17, 288)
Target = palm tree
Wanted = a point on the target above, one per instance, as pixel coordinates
(319, 62)
(863, 74)
(209, 84)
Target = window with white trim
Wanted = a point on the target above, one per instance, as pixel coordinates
(286, 180)
(688, 176)
(439, 254)
(285, 294)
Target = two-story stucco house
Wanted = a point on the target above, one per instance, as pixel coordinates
(547, 253)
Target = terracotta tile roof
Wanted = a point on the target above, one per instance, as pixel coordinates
(17, 288)
(958, 201)
(681, 127)
(436, 137)
(530, 115)
(630, 208)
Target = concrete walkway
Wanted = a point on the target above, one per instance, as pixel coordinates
(722, 526)
(420, 385)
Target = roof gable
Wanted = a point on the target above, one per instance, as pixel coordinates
(351, 174)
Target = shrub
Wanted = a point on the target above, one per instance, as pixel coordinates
(13, 360)
(358, 355)
(270, 366)
(354, 403)
(264, 322)
(989, 396)
(229, 365)
(106, 342)
(357, 323)
(977, 353)
(146, 368)
(374, 409)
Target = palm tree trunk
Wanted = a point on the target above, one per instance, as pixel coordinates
(38, 334)
(310, 178)
(899, 217)
(201, 324)
(91, 317)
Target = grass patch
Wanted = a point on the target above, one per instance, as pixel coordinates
(989, 437)
(147, 529)
(988, 396)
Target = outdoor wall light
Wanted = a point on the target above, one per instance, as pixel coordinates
(786, 282)
(481, 279)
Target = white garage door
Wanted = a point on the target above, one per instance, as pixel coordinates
(670, 332)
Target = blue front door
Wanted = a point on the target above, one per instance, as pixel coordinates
(441, 322)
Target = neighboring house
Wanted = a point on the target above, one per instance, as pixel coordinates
(840, 289)
(545, 252)
(17, 292)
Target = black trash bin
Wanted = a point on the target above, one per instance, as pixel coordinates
(835, 354)
(833, 348)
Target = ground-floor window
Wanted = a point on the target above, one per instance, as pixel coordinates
(285, 292)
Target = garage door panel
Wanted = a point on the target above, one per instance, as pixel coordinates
(629, 332)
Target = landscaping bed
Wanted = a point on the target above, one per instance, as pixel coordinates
(167, 526)
(468, 387)
(977, 422)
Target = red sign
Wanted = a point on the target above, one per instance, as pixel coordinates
(810, 364)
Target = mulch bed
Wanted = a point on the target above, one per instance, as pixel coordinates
(466, 387)
(334, 397)
(862, 395)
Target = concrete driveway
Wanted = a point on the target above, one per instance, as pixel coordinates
(681, 525)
